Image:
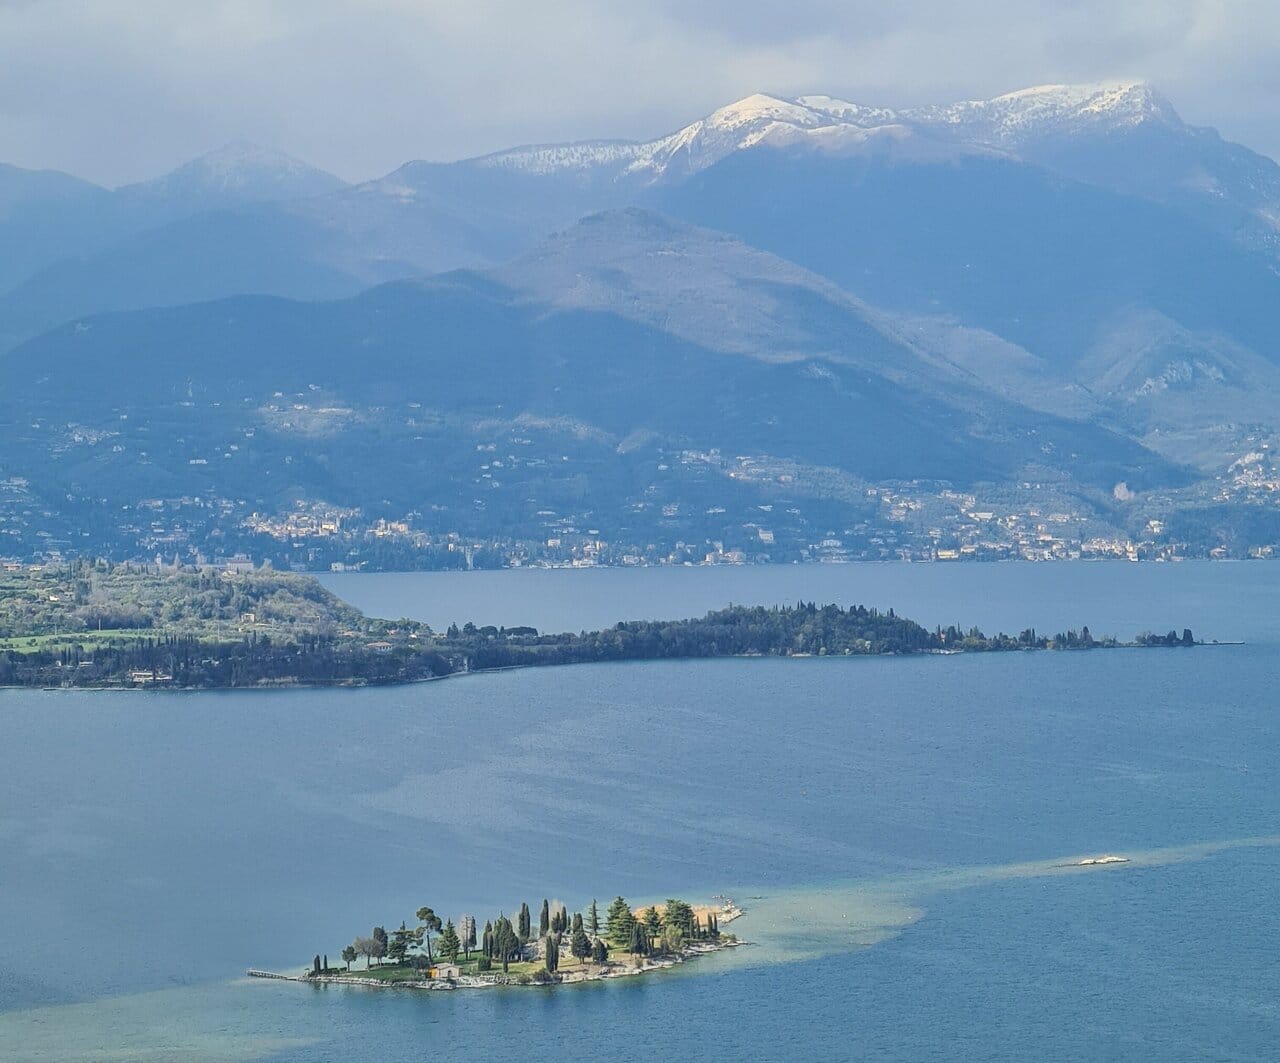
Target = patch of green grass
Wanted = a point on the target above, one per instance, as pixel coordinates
(31, 643)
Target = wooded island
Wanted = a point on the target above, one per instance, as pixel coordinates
(98, 624)
(564, 948)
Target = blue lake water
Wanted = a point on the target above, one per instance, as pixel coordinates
(895, 828)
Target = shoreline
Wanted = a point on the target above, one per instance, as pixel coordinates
(497, 980)
(364, 684)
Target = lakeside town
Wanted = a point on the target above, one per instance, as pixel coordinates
(913, 521)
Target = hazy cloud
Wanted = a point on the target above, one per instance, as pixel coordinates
(119, 91)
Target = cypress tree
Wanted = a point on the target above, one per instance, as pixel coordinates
(579, 943)
(599, 950)
(639, 944)
(544, 919)
(593, 919)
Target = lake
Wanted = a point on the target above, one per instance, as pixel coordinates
(899, 831)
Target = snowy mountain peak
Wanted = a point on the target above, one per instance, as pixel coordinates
(1044, 110)
(853, 113)
(760, 107)
(832, 124)
(240, 171)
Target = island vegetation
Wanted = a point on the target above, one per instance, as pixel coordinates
(509, 950)
(98, 624)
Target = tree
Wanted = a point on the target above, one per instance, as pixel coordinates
(678, 916)
(486, 942)
(544, 919)
(348, 955)
(449, 943)
(366, 947)
(580, 944)
(672, 940)
(380, 943)
(618, 923)
(593, 919)
(653, 922)
(506, 942)
(599, 950)
(551, 953)
(524, 925)
(467, 931)
(429, 922)
(639, 944)
(401, 939)
(577, 922)
(563, 919)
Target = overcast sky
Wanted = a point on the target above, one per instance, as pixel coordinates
(118, 90)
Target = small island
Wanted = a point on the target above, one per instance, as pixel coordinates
(564, 949)
(97, 624)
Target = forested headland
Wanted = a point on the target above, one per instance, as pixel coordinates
(92, 624)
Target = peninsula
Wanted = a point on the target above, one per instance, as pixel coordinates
(578, 948)
(90, 624)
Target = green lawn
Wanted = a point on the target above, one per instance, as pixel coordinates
(30, 643)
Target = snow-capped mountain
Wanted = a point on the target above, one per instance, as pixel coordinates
(1012, 120)
(825, 122)
(238, 172)
(1122, 135)
(755, 120)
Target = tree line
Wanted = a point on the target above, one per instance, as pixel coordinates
(503, 941)
(408, 651)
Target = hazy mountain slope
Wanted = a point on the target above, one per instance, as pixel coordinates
(49, 219)
(428, 217)
(1129, 138)
(377, 398)
(424, 218)
(232, 175)
(44, 216)
(705, 287)
(208, 256)
(1035, 258)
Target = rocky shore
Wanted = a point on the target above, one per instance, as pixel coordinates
(487, 981)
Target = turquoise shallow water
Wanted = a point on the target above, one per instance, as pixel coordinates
(887, 823)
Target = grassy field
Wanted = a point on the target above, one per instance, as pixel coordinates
(32, 643)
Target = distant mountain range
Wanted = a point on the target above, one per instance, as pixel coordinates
(879, 323)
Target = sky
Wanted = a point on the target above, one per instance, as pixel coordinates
(122, 90)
